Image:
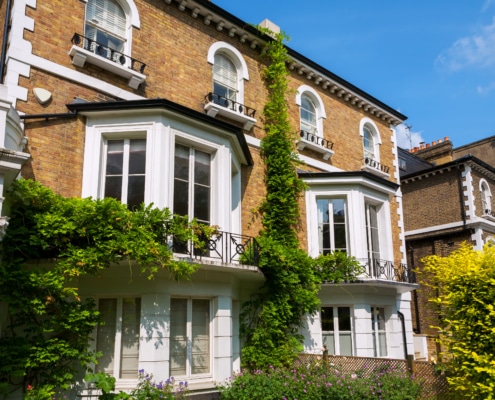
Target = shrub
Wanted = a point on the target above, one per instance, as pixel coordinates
(320, 383)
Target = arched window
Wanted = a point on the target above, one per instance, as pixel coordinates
(311, 111)
(224, 79)
(371, 139)
(486, 196)
(106, 24)
(308, 115)
(368, 143)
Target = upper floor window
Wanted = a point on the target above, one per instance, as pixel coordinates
(192, 185)
(371, 148)
(106, 25)
(486, 196)
(229, 75)
(308, 115)
(332, 230)
(311, 116)
(125, 171)
(117, 338)
(372, 232)
(224, 79)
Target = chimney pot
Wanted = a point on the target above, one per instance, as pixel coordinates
(446, 138)
(427, 145)
(439, 141)
(433, 143)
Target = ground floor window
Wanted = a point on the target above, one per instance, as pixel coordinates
(379, 332)
(189, 336)
(118, 337)
(336, 326)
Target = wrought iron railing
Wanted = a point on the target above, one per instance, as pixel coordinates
(311, 137)
(383, 269)
(376, 165)
(226, 247)
(230, 104)
(108, 53)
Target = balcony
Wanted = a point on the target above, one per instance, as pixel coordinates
(224, 247)
(488, 214)
(316, 143)
(87, 50)
(375, 167)
(220, 105)
(385, 270)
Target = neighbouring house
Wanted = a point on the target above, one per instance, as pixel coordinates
(447, 200)
(160, 102)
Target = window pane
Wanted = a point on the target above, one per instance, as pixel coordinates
(326, 318)
(105, 340)
(181, 168)
(131, 320)
(115, 157)
(329, 341)
(382, 339)
(202, 203)
(135, 194)
(344, 318)
(202, 168)
(113, 187)
(200, 337)
(345, 339)
(181, 198)
(340, 238)
(137, 156)
(178, 336)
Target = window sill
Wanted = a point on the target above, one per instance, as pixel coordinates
(305, 143)
(374, 167)
(489, 215)
(80, 56)
(213, 109)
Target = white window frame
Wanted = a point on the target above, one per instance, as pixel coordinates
(117, 354)
(337, 330)
(332, 223)
(189, 336)
(313, 140)
(211, 107)
(375, 333)
(371, 164)
(125, 167)
(80, 55)
(237, 59)
(311, 94)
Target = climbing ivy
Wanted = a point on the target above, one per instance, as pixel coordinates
(50, 242)
(271, 319)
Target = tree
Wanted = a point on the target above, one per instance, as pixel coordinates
(50, 242)
(465, 283)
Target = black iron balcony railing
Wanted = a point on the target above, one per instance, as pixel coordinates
(487, 212)
(383, 269)
(311, 137)
(108, 53)
(230, 104)
(226, 247)
(376, 165)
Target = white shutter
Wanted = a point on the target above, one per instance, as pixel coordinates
(224, 71)
(108, 15)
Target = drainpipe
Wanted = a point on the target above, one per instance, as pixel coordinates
(404, 339)
(6, 30)
(415, 291)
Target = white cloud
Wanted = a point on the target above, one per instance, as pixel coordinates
(487, 4)
(485, 90)
(406, 138)
(477, 50)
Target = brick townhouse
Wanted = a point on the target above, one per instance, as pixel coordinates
(447, 200)
(111, 97)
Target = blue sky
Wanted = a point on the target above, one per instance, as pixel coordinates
(432, 60)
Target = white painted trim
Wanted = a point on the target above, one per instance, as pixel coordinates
(235, 56)
(434, 228)
(305, 89)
